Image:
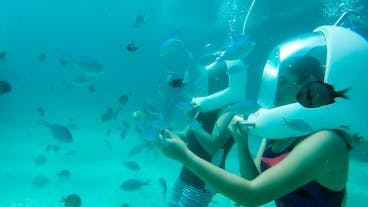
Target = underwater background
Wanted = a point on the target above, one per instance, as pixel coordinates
(86, 89)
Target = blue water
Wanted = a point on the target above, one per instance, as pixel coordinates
(77, 98)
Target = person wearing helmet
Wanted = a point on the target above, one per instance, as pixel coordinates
(189, 189)
(304, 159)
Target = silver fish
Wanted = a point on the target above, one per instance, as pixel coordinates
(133, 184)
(163, 184)
(132, 165)
(236, 48)
(85, 64)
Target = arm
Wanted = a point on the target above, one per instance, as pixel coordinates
(323, 149)
(183, 134)
(248, 169)
(220, 134)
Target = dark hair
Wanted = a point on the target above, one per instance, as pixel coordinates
(304, 66)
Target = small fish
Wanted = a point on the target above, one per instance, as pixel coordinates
(125, 205)
(72, 200)
(107, 115)
(236, 48)
(177, 83)
(52, 148)
(40, 160)
(108, 132)
(86, 64)
(63, 61)
(3, 55)
(42, 57)
(317, 93)
(41, 111)
(132, 165)
(298, 124)
(91, 88)
(108, 145)
(4, 87)
(81, 81)
(40, 181)
(125, 124)
(64, 174)
(123, 133)
(133, 184)
(123, 99)
(207, 45)
(59, 132)
(140, 21)
(163, 184)
(131, 47)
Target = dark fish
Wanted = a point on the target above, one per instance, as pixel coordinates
(163, 184)
(317, 93)
(3, 55)
(64, 174)
(42, 57)
(177, 83)
(5, 87)
(132, 165)
(59, 132)
(41, 111)
(72, 200)
(63, 61)
(123, 133)
(106, 116)
(123, 99)
(40, 160)
(126, 124)
(125, 205)
(140, 20)
(108, 132)
(133, 184)
(131, 47)
(52, 148)
(91, 88)
(40, 181)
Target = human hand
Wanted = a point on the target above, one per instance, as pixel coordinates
(172, 146)
(238, 131)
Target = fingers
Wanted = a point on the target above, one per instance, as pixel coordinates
(161, 140)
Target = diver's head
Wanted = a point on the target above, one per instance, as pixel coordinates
(316, 81)
(289, 66)
(295, 72)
